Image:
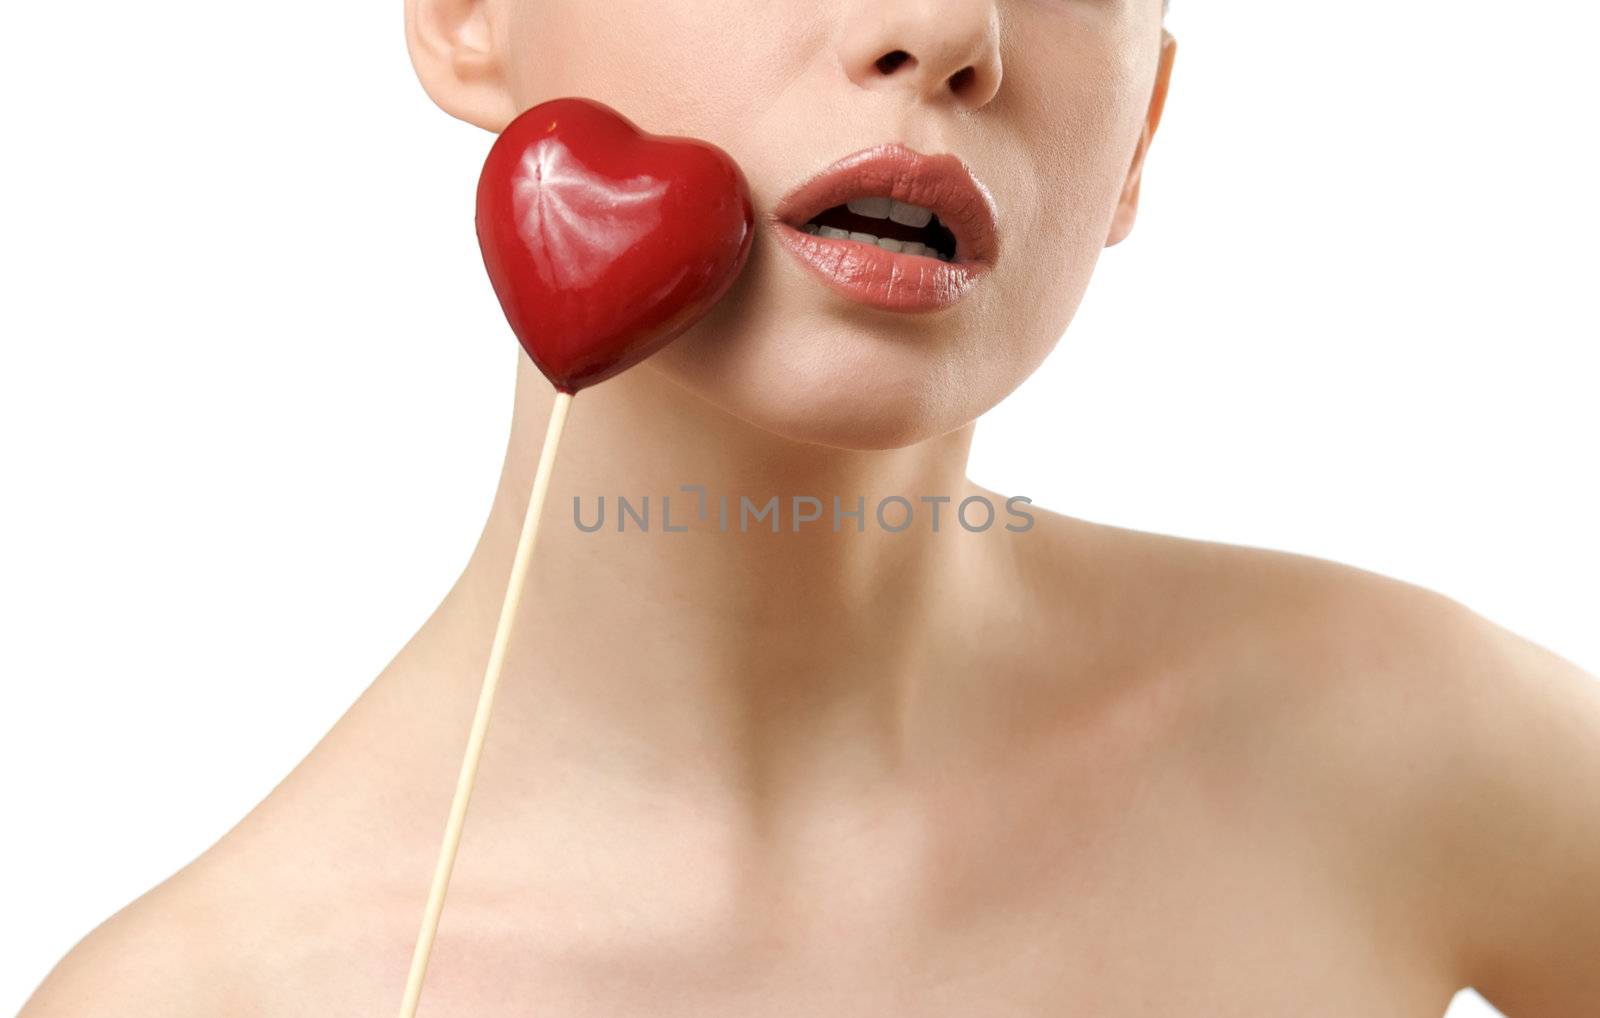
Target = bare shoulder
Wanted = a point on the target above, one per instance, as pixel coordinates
(1444, 768)
(165, 954)
(1483, 750)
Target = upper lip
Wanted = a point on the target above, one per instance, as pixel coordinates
(942, 183)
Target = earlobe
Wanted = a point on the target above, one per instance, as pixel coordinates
(1128, 203)
(453, 51)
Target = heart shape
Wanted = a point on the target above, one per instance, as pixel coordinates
(604, 242)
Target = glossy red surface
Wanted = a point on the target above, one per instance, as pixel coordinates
(604, 242)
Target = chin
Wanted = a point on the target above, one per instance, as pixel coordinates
(794, 363)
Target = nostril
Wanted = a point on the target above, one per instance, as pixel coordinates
(962, 79)
(892, 61)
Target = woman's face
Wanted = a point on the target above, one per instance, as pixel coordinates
(1044, 101)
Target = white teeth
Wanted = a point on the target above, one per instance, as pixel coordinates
(880, 207)
(909, 215)
(909, 247)
(875, 208)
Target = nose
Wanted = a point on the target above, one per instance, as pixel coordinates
(946, 52)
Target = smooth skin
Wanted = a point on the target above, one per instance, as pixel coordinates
(1080, 770)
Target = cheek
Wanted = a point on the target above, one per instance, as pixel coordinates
(660, 62)
(1077, 118)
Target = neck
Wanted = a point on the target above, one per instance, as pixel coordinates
(722, 653)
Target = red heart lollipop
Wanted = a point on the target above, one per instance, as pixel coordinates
(604, 242)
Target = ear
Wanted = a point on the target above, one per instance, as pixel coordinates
(1128, 204)
(452, 48)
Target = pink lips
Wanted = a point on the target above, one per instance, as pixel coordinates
(876, 276)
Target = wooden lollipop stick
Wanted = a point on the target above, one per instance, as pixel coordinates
(480, 720)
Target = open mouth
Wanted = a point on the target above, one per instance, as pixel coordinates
(893, 228)
(892, 225)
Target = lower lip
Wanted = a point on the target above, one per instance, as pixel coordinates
(879, 277)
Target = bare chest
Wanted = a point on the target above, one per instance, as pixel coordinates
(1113, 878)
(1147, 918)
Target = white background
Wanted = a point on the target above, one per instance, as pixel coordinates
(247, 344)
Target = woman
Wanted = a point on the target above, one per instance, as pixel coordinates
(1038, 767)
